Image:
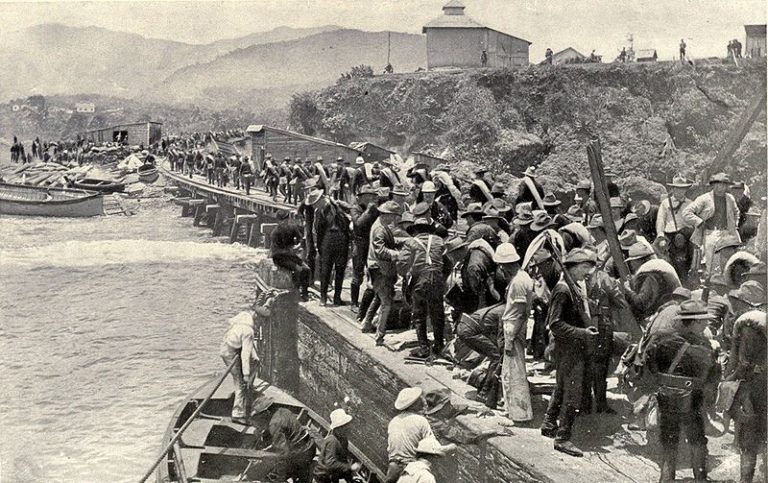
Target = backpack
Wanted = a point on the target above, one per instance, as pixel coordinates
(455, 294)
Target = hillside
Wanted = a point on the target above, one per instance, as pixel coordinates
(268, 74)
(653, 120)
(92, 60)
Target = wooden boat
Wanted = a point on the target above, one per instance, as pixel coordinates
(148, 174)
(214, 448)
(100, 185)
(19, 199)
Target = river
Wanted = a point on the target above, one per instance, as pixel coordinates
(106, 324)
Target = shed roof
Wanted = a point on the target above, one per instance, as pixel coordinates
(362, 145)
(256, 128)
(756, 30)
(454, 18)
(569, 49)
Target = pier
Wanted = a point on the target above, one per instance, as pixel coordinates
(319, 355)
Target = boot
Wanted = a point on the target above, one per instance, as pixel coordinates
(568, 448)
(354, 294)
(699, 462)
(668, 464)
(748, 463)
(549, 427)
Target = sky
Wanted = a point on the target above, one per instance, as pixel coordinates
(603, 25)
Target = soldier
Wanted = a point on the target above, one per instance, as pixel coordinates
(713, 215)
(672, 232)
(530, 191)
(573, 338)
(333, 460)
(364, 213)
(652, 283)
(437, 211)
(682, 361)
(480, 332)
(382, 268)
(747, 371)
(421, 260)
(238, 342)
(285, 237)
(331, 231)
(480, 191)
(477, 228)
(522, 235)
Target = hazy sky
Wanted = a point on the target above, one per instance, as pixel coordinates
(707, 25)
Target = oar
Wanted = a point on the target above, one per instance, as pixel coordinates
(189, 421)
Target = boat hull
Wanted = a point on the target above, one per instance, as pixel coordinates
(149, 176)
(36, 201)
(103, 187)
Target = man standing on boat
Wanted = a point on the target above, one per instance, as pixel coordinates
(238, 341)
(333, 462)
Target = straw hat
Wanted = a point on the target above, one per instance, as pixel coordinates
(430, 445)
(506, 253)
(679, 181)
(541, 220)
(407, 397)
(359, 160)
(339, 418)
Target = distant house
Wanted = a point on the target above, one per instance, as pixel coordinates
(371, 152)
(568, 55)
(755, 45)
(646, 55)
(144, 133)
(88, 107)
(456, 40)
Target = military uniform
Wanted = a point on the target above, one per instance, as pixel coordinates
(332, 235)
(480, 332)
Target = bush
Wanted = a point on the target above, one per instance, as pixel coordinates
(361, 71)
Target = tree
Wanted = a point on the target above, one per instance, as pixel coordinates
(304, 116)
(361, 71)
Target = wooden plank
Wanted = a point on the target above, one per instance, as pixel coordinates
(742, 127)
(603, 203)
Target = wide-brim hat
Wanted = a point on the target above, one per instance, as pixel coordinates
(359, 160)
(455, 243)
(541, 220)
(339, 418)
(492, 213)
(473, 209)
(313, 197)
(738, 185)
(261, 404)
(389, 208)
(581, 255)
(499, 205)
(575, 213)
(400, 191)
(693, 310)
(627, 238)
(550, 200)
(407, 397)
(720, 178)
(682, 292)
(728, 241)
(530, 172)
(442, 167)
(420, 208)
(498, 188)
(639, 250)
(630, 217)
(679, 182)
(367, 190)
(596, 222)
(584, 184)
(428, 187)
(406, 217)
(642, 208)
(437, 399)
(750, 292)
(481, 170)
(523, 219)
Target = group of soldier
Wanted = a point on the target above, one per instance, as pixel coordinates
(685, 305)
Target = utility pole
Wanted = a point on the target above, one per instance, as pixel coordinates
(389, 45)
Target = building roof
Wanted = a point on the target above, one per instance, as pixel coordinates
(362, 145)
(454, 18)
(256, 128)
(756, 30)
(558, 54)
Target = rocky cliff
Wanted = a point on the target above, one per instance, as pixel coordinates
(653, 120)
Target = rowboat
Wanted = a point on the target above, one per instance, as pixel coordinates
(100, 185)
(148, 174)
(214, 448)
(19, 199)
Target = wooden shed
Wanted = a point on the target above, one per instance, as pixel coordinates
(646, 55)
(281, 143)
(568, 55)
(755, 46)
(428, 159)
(136, 133)
(456, 40)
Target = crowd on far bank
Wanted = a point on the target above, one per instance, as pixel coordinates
(684, 306)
